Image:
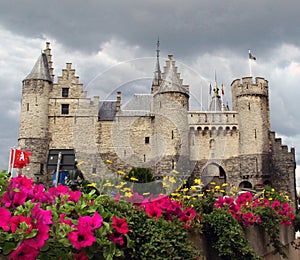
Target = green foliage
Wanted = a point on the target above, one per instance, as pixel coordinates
(226, 236)
(152, 238)
(143, 175)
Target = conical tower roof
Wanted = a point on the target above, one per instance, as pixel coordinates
(40, 69)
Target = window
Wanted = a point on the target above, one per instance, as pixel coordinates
(147, 140)
(65, 92)
(65, 109)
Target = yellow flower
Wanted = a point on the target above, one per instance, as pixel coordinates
(108, 184)
(193, 188)
(201, 195)
(212, 183)
(198, 181)
(222, 191)
(217, 188)
(270, 198)
(128, 194)
(146, 193)
(94, 174)
(121, 172)
(174, 171)
(175, 194)
(185, 189)
(92, 184)
(224, 184)
(133, 179)
(108, 161)
(126, 189)
(208, 190)
(172, 180)
(186, 197)
(165, 178)
(287, 197)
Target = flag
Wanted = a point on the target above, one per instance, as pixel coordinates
(251, 57)
(19, 158)
(222, 89)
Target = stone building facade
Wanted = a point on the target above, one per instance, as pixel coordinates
(156, 130)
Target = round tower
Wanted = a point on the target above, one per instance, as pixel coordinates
(170, 109)
(251, 101)
(34, 124)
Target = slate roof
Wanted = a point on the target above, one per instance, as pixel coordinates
(40, 69)
(107, 110)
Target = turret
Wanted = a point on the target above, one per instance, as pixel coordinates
(34, 123)
(170, 107)
(251, 101)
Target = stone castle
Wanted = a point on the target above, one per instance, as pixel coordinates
(155, 130)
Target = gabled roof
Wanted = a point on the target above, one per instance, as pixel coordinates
(40, 69)
(171, 81)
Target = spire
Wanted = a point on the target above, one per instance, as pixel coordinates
(40, 69)
(157, 73)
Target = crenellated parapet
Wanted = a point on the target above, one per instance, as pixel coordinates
(246, 87)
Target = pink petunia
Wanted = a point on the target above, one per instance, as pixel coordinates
(120, 225)
(16, 221)
(80, 256)
(24, 252)
(4, 219)
(81, 239)
(116, 239)
(153, 211)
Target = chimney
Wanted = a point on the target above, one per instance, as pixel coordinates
(118, 106)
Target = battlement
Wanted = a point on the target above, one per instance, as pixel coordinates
(246, 86)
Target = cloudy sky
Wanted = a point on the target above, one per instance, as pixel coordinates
(113, 42)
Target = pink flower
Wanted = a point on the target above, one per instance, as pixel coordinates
(81, 239)
(120, 225)
(42, 216)
(80, 256)
(275, 204)
(63, 220)
(24, 252)
(117, 240)
(15, 222)
(74, 195)
(14, 198)
(4, 219)
(153, 211)
(89, 223)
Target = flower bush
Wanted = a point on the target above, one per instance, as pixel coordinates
(56, 223)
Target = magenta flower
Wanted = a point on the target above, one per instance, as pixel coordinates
(80, 256)
(42, 216)
(4, 219)
(153, 211)
(24, 252)
(116, 239)
(81, 239)
(120, 225)
(275, 204)
(14, 198)
(15, 222)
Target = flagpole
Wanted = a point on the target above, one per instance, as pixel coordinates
(13, 163)
(57, 168)
(9, 162)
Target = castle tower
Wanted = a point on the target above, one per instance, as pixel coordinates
(34, 124)
(251, 100)
(170, 107)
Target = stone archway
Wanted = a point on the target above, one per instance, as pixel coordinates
(245, 185)
(213, 173)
